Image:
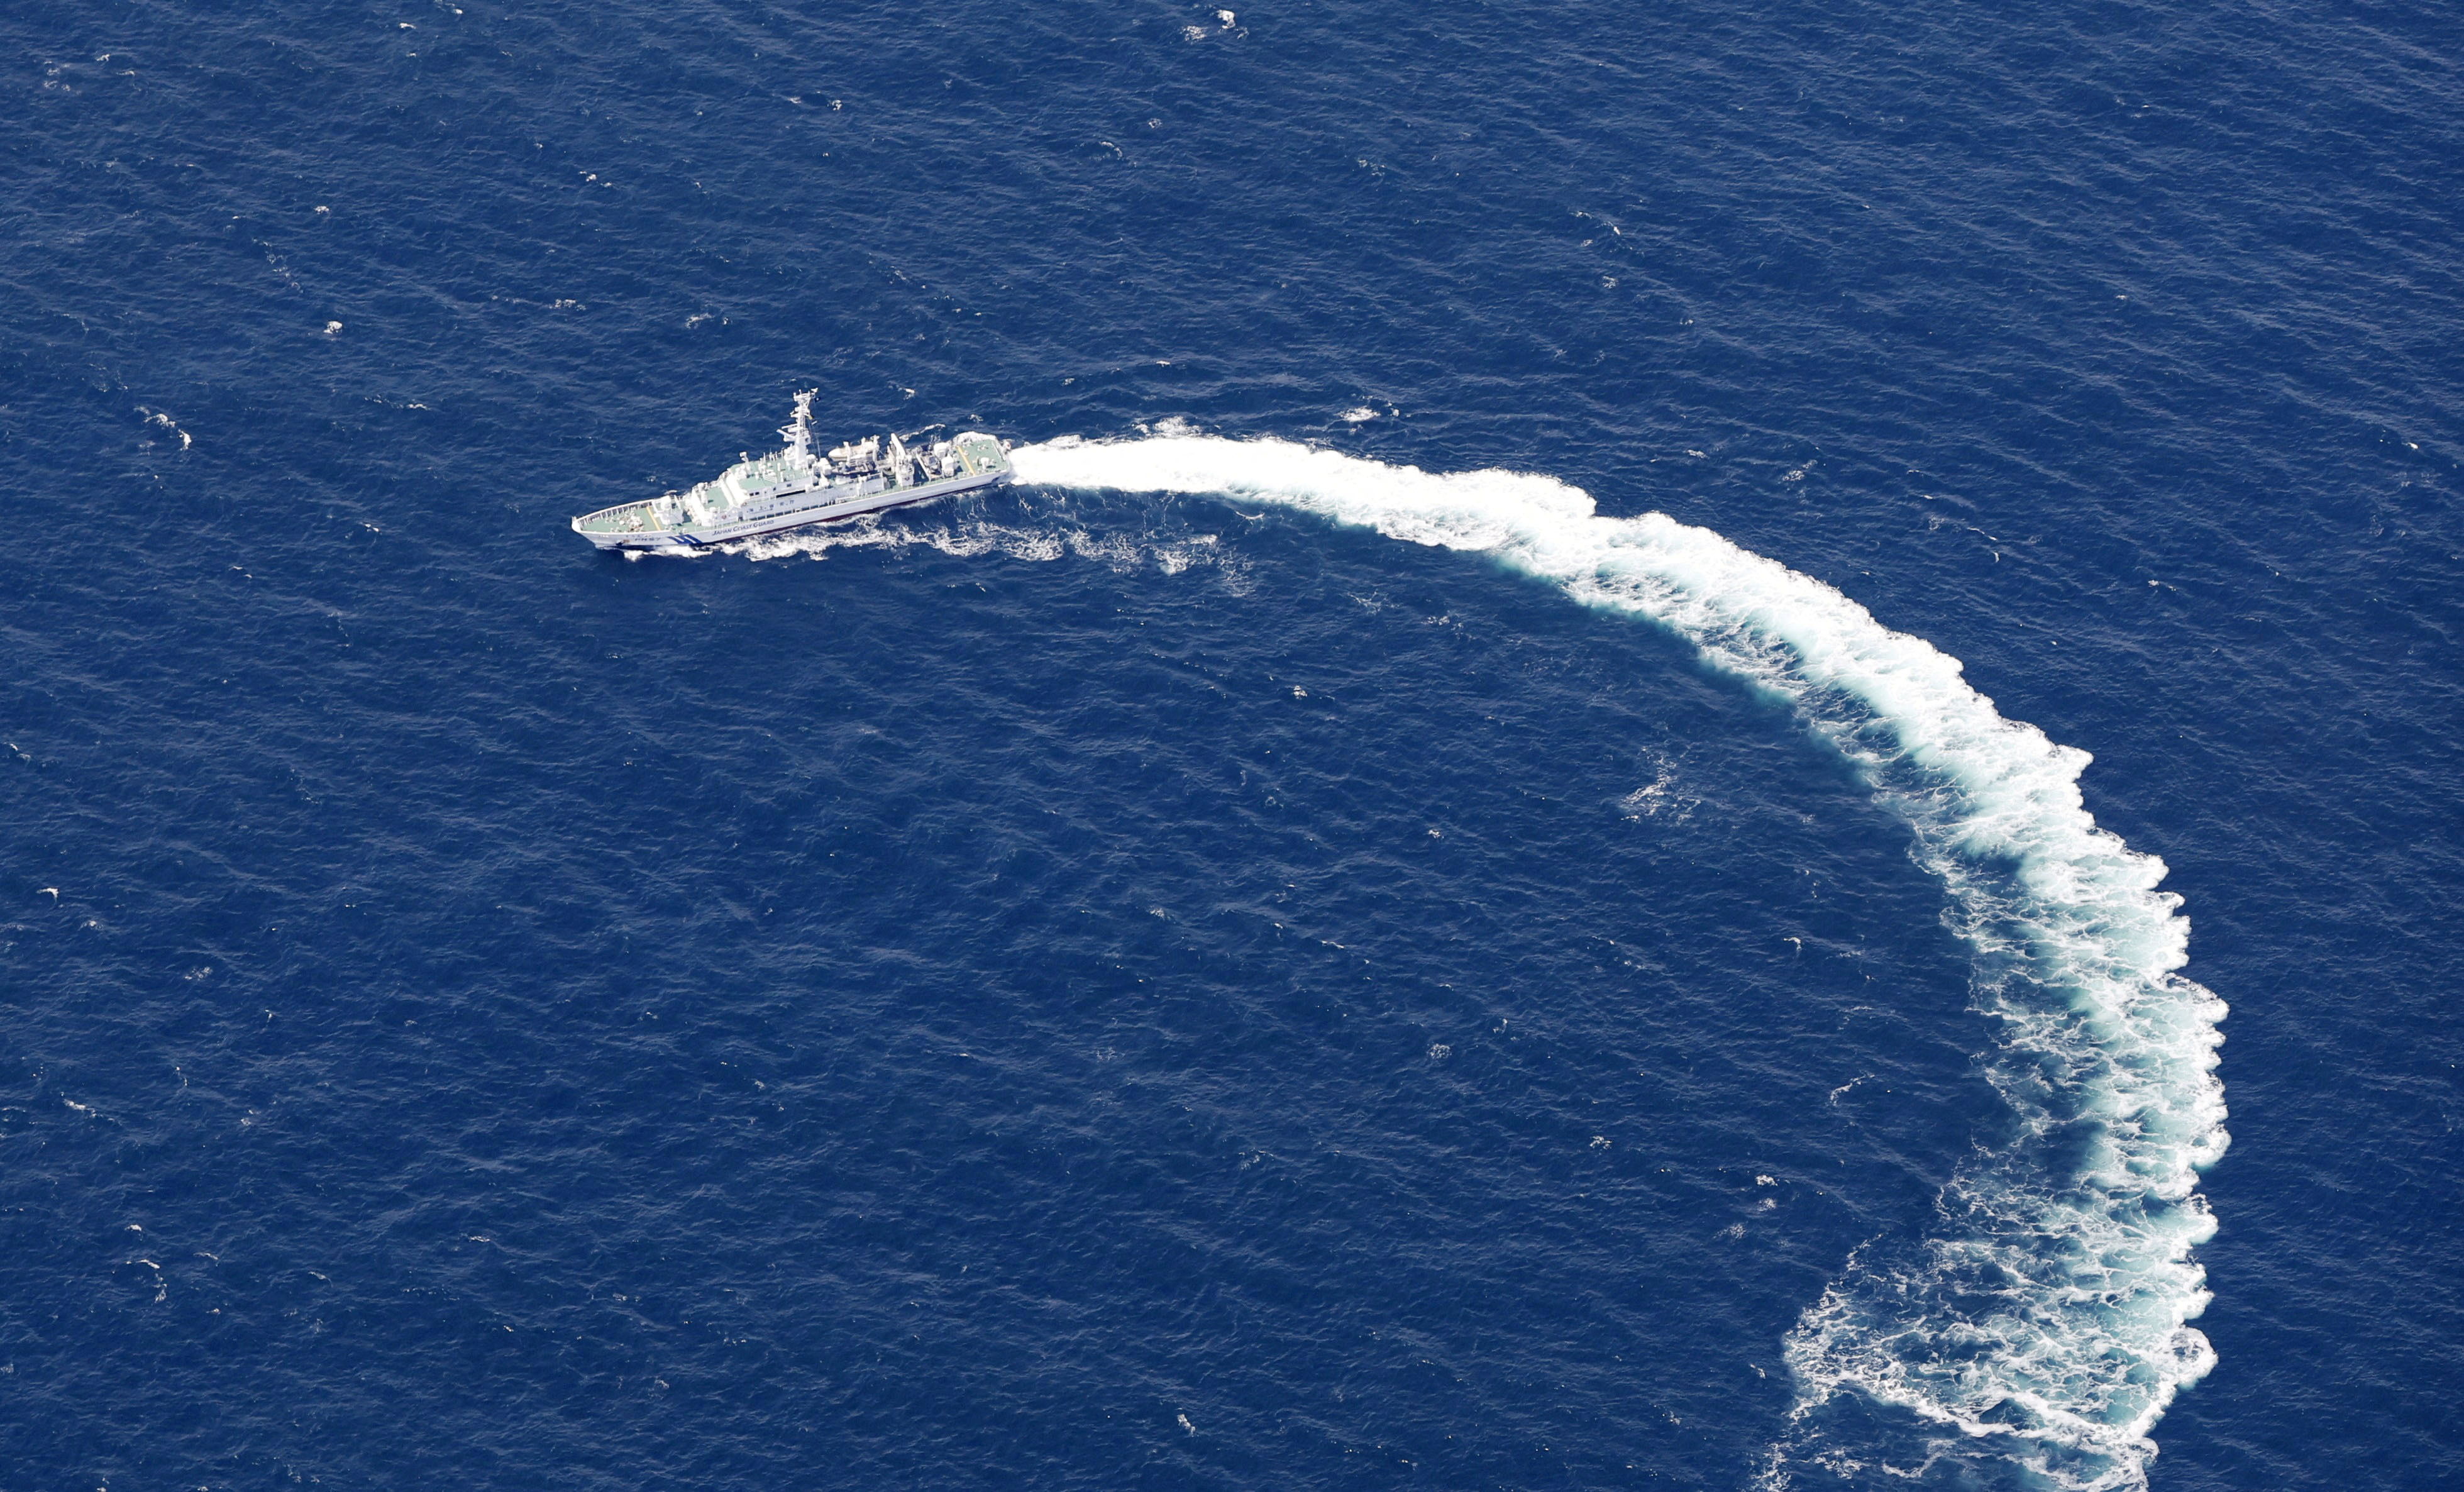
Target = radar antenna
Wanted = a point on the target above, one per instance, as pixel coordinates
(800, 429)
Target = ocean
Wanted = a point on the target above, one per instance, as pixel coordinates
(1707, 747)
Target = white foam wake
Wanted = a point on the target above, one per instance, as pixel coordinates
(969, 537)
(2043, 1325)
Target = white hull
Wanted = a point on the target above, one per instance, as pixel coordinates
(796, 487)
(685, 540)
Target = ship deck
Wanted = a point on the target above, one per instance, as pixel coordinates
(631, 517)
(767, 492)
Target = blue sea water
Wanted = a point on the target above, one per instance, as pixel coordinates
(1482, 879)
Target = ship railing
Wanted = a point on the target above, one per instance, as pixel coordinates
(626, 518)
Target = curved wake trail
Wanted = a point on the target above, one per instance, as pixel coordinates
(2043, 1325)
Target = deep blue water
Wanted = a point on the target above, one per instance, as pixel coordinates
(1090, 988)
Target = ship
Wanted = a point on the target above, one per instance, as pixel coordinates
(794, 487)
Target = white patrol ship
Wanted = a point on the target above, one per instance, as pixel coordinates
(792, 486)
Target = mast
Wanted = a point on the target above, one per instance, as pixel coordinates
(800, 429)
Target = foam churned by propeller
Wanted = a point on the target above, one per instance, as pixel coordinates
(2045, 1321)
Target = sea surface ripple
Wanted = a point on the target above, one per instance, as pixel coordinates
(2046, 1321)
(1140, 979)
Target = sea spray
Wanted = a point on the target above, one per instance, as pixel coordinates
(968, 538)
(2043, 1324)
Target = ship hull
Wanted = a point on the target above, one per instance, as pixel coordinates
(707, 535)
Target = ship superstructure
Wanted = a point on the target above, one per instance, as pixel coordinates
(793, 486)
